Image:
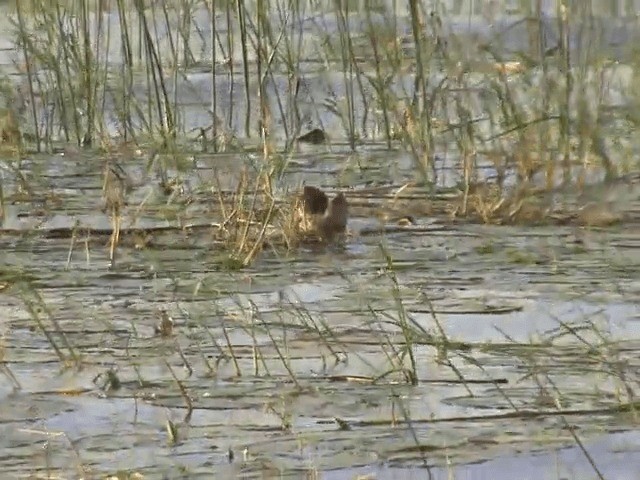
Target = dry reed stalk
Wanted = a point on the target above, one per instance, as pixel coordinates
(114, 190)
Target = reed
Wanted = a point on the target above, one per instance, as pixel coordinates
(424, 87)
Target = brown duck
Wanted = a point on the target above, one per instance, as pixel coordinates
(327, 218)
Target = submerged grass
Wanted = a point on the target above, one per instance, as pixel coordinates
(209, 353)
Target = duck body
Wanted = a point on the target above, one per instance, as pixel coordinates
(328, 218)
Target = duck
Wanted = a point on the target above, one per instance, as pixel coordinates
(327, 218)
(316, 136)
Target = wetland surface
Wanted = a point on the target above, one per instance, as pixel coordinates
(524, 339)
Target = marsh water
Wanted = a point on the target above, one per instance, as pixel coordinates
(526, 368)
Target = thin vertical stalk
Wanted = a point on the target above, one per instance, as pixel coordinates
(290, 115)
(214, 87)
(294, 69)
(419, 87)
(27, 61)
(537, 40)
(175, 55)
(185, 32)
(67, 56)
(127, 70)
(100, 36)
(260, 50)
(179, 38)
(269, 58)
(231, 55)
(564, 107)
(173, 45)
(245, 65)
(87, 74)
(157, 76)
(342, 19)
(379, 83)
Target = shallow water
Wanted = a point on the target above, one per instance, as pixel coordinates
(519, 300)
(294, 364)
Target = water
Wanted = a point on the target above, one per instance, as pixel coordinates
(295, 363)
